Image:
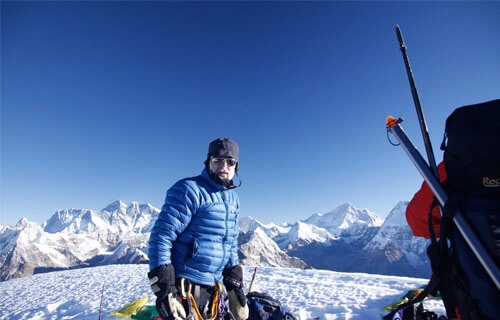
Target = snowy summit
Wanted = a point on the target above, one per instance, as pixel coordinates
(310, 294)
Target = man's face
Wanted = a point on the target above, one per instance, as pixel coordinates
(223, 167)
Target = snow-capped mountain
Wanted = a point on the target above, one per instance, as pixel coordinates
(302, 234)
(394, 247)
(76, 238)
(248, 223)
(345, 239)
(350, 239)
(257, 249)
(115, 218)
(345, 217)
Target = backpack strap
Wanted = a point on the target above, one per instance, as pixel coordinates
(444, 262)
(494, 224)
(454, 286)
(433, 284)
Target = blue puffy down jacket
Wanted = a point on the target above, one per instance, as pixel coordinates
(197, 230)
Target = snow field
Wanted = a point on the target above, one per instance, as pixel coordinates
(310, 294)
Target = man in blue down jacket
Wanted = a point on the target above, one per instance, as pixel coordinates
(194, 243)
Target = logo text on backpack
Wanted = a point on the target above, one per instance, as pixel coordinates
(491, 182)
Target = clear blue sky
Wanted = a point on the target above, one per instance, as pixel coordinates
(118, 100)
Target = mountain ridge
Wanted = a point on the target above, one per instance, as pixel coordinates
(340, 240)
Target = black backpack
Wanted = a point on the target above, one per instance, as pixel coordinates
(472, 162)
(471, 146)
(263, 306)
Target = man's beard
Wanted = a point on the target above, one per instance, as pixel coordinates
(228, 183)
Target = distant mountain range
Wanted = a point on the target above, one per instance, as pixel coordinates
(346, 239)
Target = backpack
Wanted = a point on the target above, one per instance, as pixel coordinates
(472, 162)
(263, 306)
(471, 150)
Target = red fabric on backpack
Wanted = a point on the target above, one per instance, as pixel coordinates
(417, 212)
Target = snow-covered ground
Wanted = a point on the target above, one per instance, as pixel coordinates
(325, 295)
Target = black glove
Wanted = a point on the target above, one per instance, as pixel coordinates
(233, 281)
(168, 304)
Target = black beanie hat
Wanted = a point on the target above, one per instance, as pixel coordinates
(223, 147)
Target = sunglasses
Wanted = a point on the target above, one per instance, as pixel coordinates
(219, 161)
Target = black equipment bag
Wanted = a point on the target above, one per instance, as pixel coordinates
(471, 146)
(263, 306)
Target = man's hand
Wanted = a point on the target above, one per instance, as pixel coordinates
(233, 281)
(168, 304)
(170, 307)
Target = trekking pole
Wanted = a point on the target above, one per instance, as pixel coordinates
(418, 107)
(393, 125)
(100, 306)
(250, 289)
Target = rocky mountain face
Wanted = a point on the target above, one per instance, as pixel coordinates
(345, 239)
(394, 250)
(257, 249)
